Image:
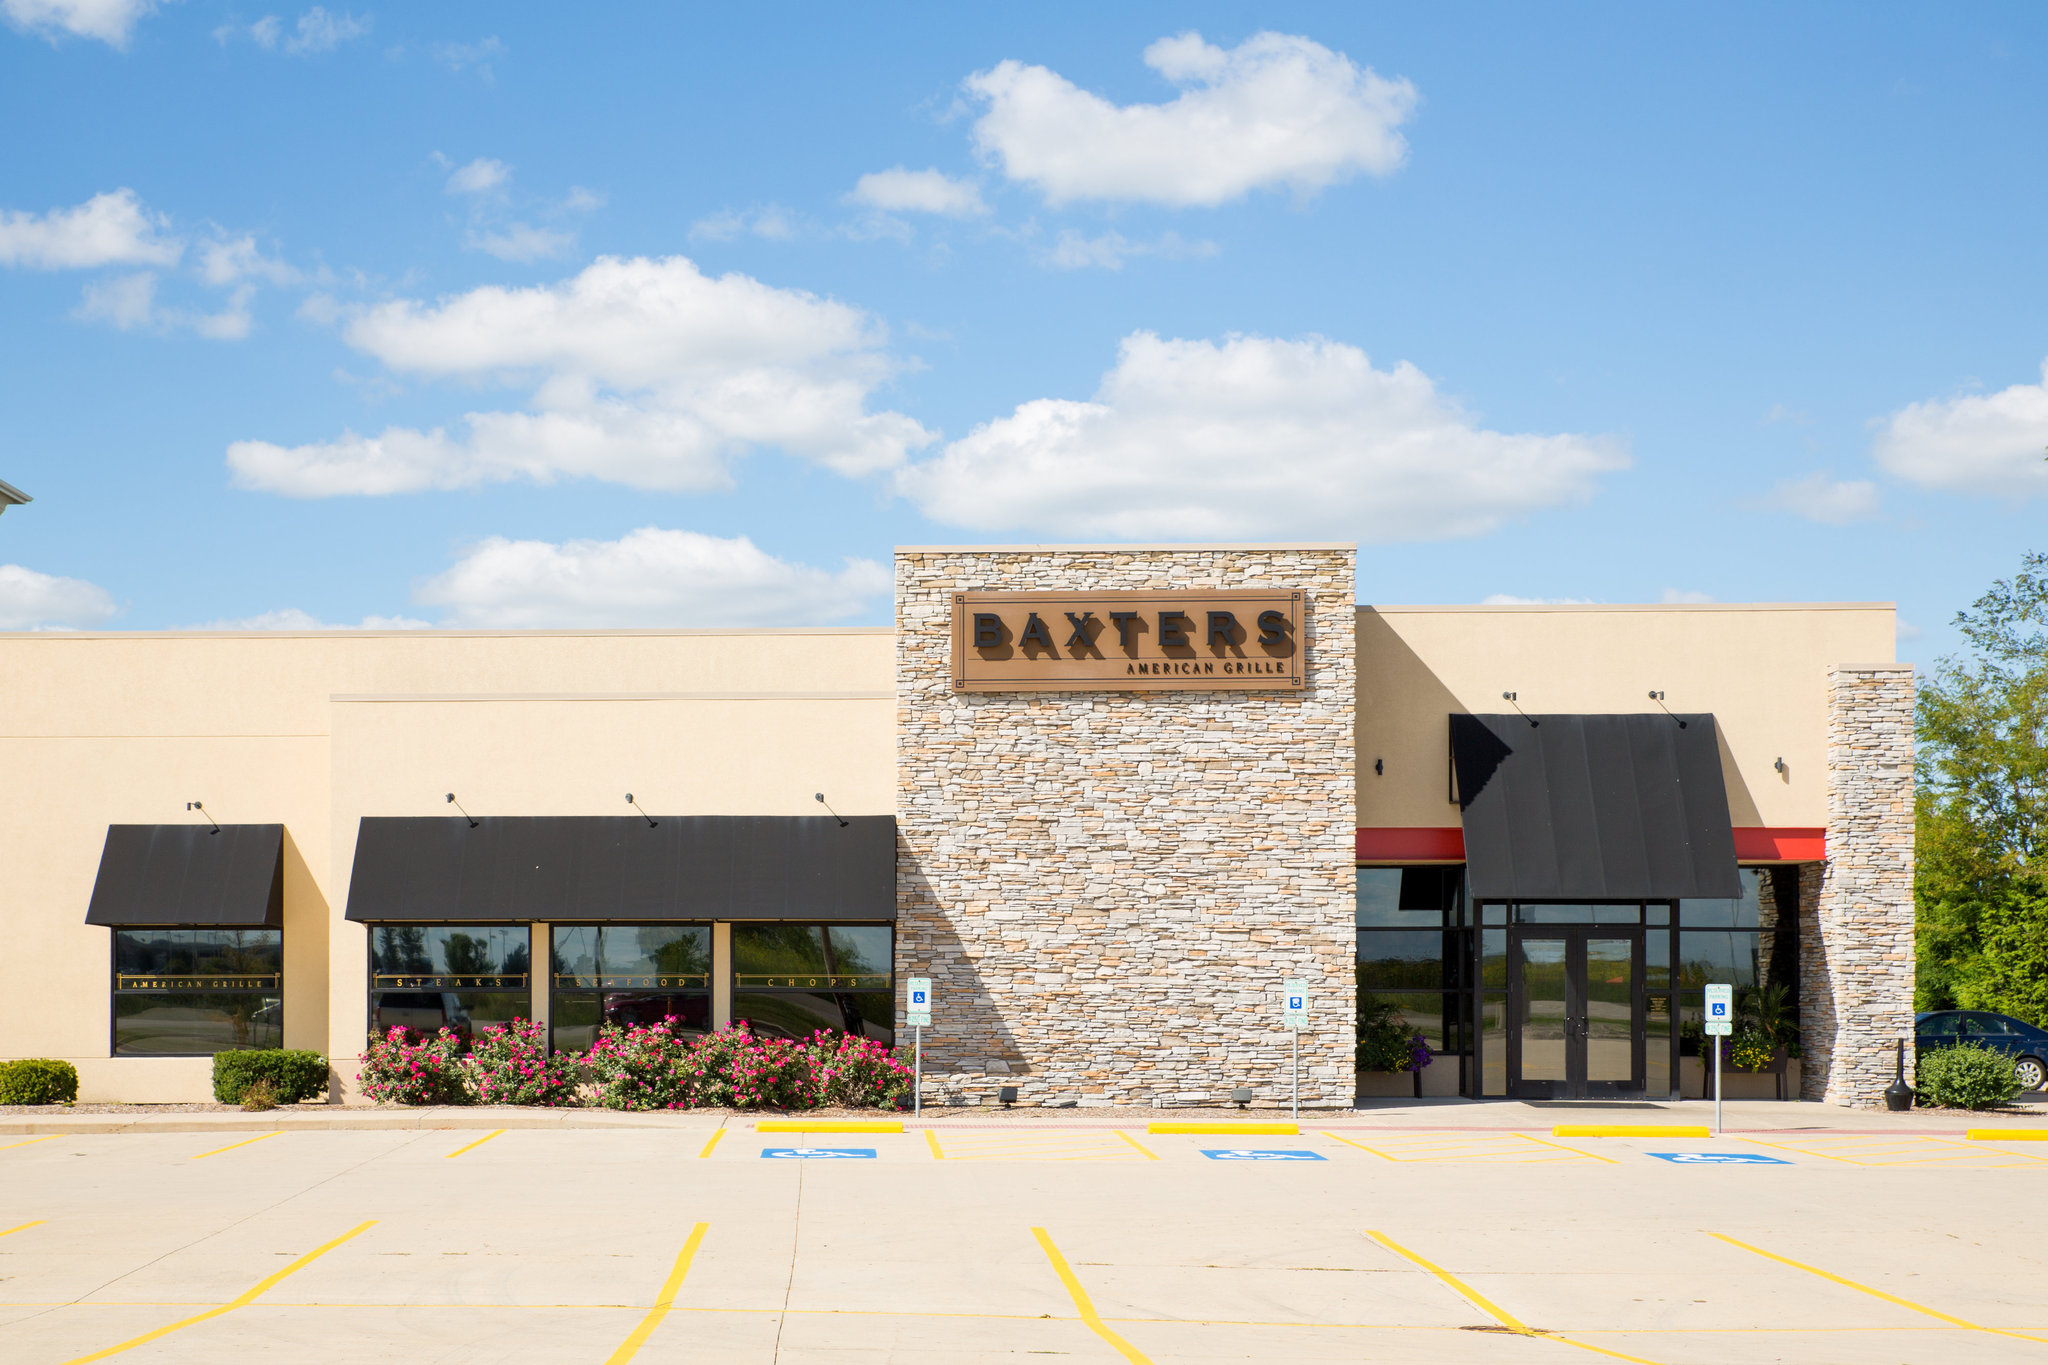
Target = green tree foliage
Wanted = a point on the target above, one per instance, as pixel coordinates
(1981, 888)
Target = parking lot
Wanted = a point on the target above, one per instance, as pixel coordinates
(965, 1241)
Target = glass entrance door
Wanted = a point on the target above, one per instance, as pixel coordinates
(1575, 1012)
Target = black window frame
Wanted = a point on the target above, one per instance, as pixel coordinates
(371, 988)
(708, 990)
(821, 984)
(115, 992)
(1457, 987)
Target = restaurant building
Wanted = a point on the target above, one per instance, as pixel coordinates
(1107, 798)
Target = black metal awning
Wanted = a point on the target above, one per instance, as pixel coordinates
(613, 869)
(1596, 807)
(190, 875)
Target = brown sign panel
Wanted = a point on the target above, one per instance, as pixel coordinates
(1241, 639)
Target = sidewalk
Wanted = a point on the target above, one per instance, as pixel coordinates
(1443, 1115)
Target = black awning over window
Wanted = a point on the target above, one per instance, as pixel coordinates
(613, 869)
(1582, 808)
(190, 875)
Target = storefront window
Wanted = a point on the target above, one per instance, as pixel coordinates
(1750, 943)
(1414, 953)
(191, 992)
(426, 977)
(792, 980)
(628, 974)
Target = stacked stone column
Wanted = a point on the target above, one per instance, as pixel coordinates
(1108, 888)
(1856, 913)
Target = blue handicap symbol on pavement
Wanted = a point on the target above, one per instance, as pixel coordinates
(1719, 1159)
(1254, 1154)
(818, 1153)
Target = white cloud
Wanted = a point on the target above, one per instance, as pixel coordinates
(1274, 111)
(475, 56)
(1192, 440)
(1904, 630)
(520, 242)
(771, 222)
(320, 31)
(292, 618)
(128, 303)
(226, 261)
(1109, 251)
(897, 190)
(645, 372)
(1684, 597)
(1830, 501)
(648, 577)
(107, 229)
(110, 21)
(32, 601)
(1508, 599)
(1994, 443)
(480, 176)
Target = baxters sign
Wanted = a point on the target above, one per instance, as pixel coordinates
(1245, 639)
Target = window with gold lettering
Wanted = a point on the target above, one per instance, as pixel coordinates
(190, 992)
(628, 974)
(794, 980)
(426, 977)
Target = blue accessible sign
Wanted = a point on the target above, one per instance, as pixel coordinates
(1253, 1154)
(818, 1153)
(1719, 1159)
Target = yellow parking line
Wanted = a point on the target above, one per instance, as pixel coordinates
(1150, 1155)
(22, 1227)
(1084, 1305)
(1489, 1307)
(663, 1302)
(1546, 1142)
(472, 1146)
(1359, 1145)
(1874, 1293)
(932, 1141)
(242, 1300)
(713, 1143)
(2007, 1134)
(12, 1145)
(232, 1145)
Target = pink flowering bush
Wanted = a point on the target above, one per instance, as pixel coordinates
(858, 1073)
(511, 1064)
(640, 1066)
(398, 1070)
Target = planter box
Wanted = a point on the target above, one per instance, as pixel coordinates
(1380, 1085)
(1696, 1081)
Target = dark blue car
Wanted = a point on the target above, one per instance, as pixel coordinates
(2025, 1044)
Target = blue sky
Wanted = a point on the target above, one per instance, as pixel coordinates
(502, 314)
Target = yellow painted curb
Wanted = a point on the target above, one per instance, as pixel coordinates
(1660, 1130)
(2007, 1135)
(828, 1126)
(1226, 1129)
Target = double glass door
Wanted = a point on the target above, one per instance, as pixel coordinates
(1575, 1012)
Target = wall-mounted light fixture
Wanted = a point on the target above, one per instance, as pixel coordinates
(1006, 1096)
(1779, 764)
(1379, 767)
(835, 814)
(194, 805)
(651, 821)
(1509, 698)
(465, 814)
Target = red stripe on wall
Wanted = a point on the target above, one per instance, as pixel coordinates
(1428, 844)
(1781, 844)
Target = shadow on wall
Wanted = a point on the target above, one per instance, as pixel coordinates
(305, 962)
(970, 1051)
(1742, 809)
(1403, 720)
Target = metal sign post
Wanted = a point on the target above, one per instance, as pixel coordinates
(1294, 1015)
(918, 1013)
(1720, 1024)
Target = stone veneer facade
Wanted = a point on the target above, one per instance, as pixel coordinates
(1108, 888)
(1856, 912)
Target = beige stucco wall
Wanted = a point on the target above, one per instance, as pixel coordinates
(119, 728)
(1762, 669)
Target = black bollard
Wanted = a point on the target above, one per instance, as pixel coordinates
(1898, 1096)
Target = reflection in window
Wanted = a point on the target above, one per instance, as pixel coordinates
(628, 974)
(1413, 950)
(792, 980)
(426, 977)
(190, 992)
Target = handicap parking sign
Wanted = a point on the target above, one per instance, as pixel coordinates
(1254, 1154)
(818, 1153)
(1719, 1159)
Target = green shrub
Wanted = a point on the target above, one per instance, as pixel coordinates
(293, 1076)
(1385, 1042)
(38, 1080)
(1967, 1076)
(259, 1095)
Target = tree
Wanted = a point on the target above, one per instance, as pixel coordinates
(1981, 888)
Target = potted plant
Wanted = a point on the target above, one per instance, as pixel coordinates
(1386, 1045)
(1766, 1036)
